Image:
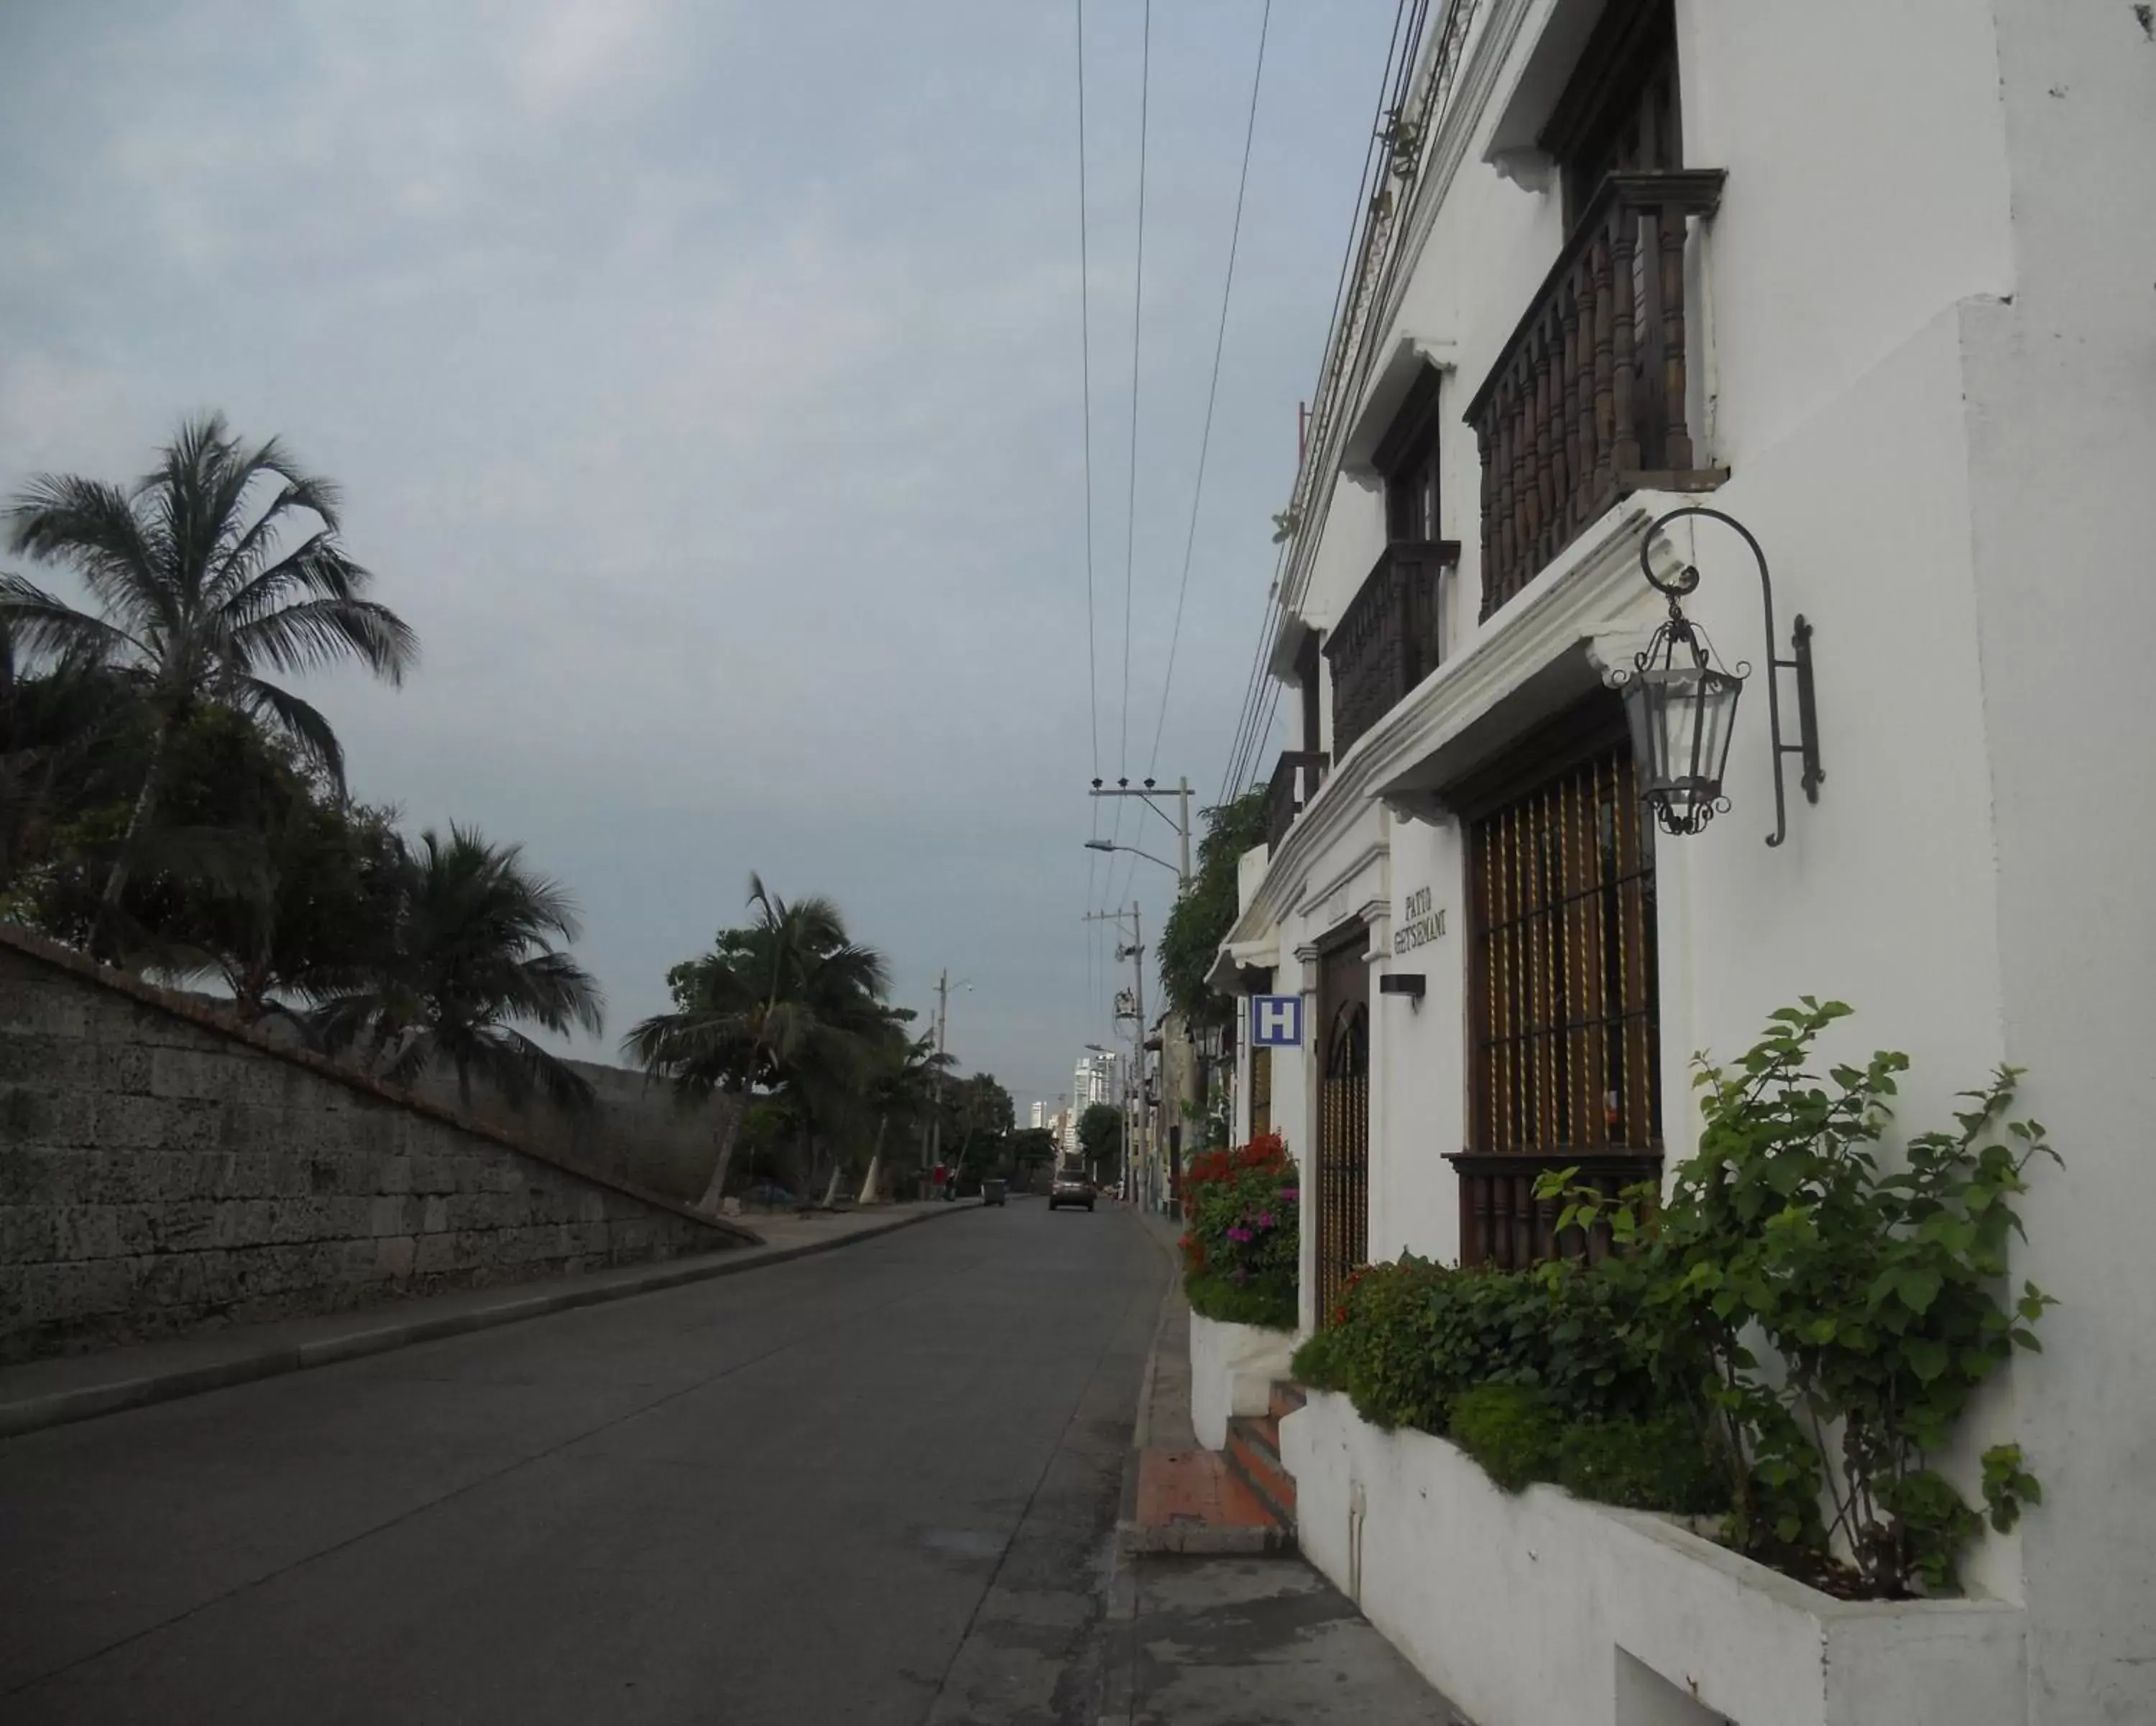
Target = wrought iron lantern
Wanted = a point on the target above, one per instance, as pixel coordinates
(1680, 702)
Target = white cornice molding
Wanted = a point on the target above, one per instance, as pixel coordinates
(1591, 601)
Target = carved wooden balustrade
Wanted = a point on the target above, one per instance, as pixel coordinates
(1387, 641)
(1586, 402)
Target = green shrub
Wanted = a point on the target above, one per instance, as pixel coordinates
(1265, 1304)
(1316, 1362)
(1877, 1287)
(1659, 1462)
(1512, 1431)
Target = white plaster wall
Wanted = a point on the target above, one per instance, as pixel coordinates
(1520, 1607)
(2061, 393)
(1866, 191)
(1232, 1367)
(1930, 312)
(1351, 537)
(1419, 1113)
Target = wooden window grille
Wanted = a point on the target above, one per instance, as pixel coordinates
(1565, 1044)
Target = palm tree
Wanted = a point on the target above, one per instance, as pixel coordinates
(903, 1086)
(791, 1001)
(465, 956)
(195, 592)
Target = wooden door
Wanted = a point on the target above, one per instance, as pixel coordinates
(1343, 1195)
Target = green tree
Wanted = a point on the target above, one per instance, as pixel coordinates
(902, 1090)
(1100, 1137)
(1032, 1147)
(1202, 918)
(197, 594)
(790, 1002)
(59, 722)
(465, 957)
(978, 1116)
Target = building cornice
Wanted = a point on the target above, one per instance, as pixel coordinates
(1590, 602)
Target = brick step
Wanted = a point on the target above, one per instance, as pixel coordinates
(1286, 1398)
(1253, 1456)
(1192, 1502)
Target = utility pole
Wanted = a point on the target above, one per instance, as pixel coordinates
(1136, 954)
(932, 1135)
(1180, 821)
(1135, 997)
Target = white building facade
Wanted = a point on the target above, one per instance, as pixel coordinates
(1879, 282)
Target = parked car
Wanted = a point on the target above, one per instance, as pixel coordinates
(769, 1195)
(1071, 1189)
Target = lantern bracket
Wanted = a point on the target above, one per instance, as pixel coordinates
(1683, 581)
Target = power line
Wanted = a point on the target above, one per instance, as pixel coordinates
(1137, 332)
(1213, 388)
(1251, 734)
(1085, 390)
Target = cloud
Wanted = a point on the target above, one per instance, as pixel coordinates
(575, 45)
(704, 383)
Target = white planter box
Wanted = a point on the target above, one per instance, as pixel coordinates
(1541, 1609)
(1232, 1369)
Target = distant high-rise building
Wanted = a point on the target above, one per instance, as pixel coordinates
(1039, 1115)
(1093, 1082)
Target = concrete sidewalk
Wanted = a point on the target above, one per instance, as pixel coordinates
(1202, 1631)
(79, 1387)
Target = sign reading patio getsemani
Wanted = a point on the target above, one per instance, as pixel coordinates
(1419, 923)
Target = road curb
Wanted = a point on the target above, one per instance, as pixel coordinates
(32, 1414)
(1129, 1537)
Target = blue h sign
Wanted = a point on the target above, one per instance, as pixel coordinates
(1276, 1021)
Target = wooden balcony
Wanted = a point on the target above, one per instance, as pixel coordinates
(1387, 640)
(1586, 402)
(1294, 781)
(1503, 1224)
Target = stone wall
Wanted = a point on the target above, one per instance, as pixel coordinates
(638, 1129)
(161, 1170)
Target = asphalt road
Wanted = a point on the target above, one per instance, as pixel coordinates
(873, 1485)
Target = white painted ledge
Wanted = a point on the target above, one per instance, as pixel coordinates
(1232, 1369)
(1541, 1607)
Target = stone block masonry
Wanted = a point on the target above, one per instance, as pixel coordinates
(162, 1170)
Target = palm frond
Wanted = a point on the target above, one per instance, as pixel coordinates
(314, 632)
(91, 528)
(516, 1066)
(286, 715)
(42, 623)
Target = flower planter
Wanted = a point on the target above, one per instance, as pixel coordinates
(1232, 1369)
(1541, 1607)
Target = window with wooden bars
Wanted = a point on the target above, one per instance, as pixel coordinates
(1562, 892)
(1621, 110)
(1261, 1091)
(1408, 456)
(1564, 1041)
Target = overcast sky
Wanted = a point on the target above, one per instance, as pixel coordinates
(704, 381)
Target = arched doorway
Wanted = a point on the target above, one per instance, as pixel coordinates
(1342, 1195)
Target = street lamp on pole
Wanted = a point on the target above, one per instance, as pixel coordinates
(1182, 874)
(1148, 791)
